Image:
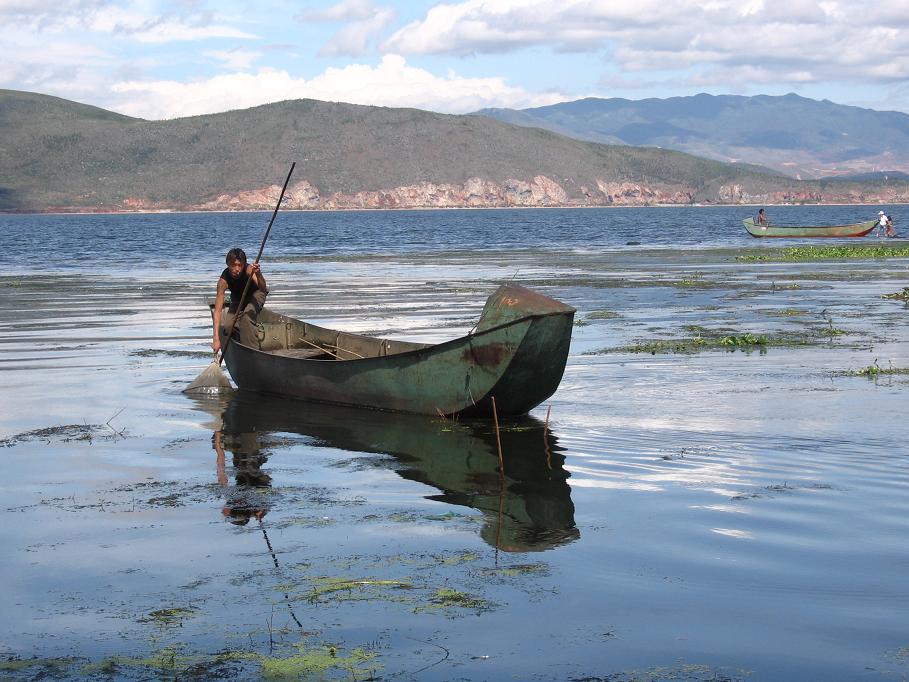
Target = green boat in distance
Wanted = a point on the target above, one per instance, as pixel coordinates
(515, 354)
(526, 508)
(854, 230)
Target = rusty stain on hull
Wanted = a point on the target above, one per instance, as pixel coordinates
(487, 355)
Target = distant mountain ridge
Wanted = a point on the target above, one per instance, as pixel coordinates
(798, 136)
(61, 155)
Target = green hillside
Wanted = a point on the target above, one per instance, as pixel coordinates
(60, 154)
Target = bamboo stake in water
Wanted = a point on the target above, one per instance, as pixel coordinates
(495, 418)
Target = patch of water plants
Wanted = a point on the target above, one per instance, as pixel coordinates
(603, 315)
(302, 660)
(704, 340)
(65, 434)
(813, 253)
(874, 371)
(898, 295)
(785, 312)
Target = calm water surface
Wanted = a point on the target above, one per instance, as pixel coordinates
(716, 515)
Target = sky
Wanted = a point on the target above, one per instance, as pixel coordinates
(163, 59)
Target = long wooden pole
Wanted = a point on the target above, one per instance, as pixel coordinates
(233, 323)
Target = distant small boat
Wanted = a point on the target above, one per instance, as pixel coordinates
(801, 231)
(516, 354)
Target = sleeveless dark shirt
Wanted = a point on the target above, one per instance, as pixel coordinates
(236, 286)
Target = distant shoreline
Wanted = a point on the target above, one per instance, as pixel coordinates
(430, 208)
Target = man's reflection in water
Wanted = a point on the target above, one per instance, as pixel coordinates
(249, 496)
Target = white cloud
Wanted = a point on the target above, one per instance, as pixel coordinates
(364, 22)
(391, 83)
(354, 40)
(39, 12)
(787, 41)
(117, 19)
(235, 60)
(348, 10)
(173, 30)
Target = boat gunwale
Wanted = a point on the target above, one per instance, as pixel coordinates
(428, 347)
(847, 231)
(750, 221)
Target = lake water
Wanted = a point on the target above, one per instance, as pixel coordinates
(709, 515)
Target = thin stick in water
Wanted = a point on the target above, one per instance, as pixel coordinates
(495, 418)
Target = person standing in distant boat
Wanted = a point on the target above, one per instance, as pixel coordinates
(884, 225)
(888, 230)
(762, 219)
(234, 278)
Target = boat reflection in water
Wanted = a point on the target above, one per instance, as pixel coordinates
(527, 509)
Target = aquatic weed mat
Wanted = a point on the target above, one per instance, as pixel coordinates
(393, 608)
(66, 433)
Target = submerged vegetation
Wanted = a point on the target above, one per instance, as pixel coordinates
(301, 661)
(786, 312)
(899, 295)
(874, 370)
(65, 434)
(704, 339)
(603, 315)
(351, 589)
(447, 598)
(811, 253)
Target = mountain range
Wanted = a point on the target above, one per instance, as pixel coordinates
(61, 155)
(801, 137)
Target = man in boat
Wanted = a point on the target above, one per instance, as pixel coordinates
(885, 225)
(762, 219)
(234, 278)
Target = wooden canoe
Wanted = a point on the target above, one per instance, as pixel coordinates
(801, 231)
(527, 507)
(516, 354)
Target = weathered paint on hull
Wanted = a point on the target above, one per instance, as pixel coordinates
(836, 231)
(520, 362)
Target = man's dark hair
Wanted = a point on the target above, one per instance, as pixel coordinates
(236, 254)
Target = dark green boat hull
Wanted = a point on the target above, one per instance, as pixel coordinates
(516, 356)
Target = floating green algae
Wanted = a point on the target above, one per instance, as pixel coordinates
(42, 668)
(169, 617)
(447, 598)
(350, 589)
(168, 660)
(899, 295)
(785, 312)
(65, 433)
(459, 559)
(519, 570)
(305, 661)
(686, 672)
(812, 253)
(874, 371)
(161, 352)
(703, 339)
(322, 661)
(603, 315)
